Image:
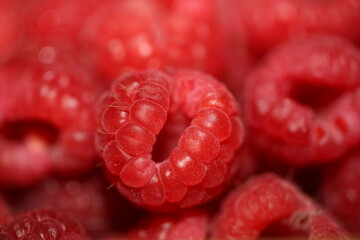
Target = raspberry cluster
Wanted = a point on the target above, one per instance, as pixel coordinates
(179, 119)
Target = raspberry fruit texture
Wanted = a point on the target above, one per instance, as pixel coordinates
(267, 199)
(42, 224)
(263, 24)
(302, 102)
(340, 190)
(191, 225)
(187, 105)
(138, 34)
(47, 121)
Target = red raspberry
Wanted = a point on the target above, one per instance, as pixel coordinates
(139, 34)
(307, 112)
(53, 23)
(263, 24)
(266, 199)
(42, 224)
(46, 121)
(88, 200)
(187, 225)
(188, 171)
(340, 191)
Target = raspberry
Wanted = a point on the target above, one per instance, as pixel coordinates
(304, 112)
(189, 171)
(42, 224)
(340, 190)
(136, 35)
(53, 23)
(85, 199)
(266, 199)
(187, 225)
(264, 24)
(47, 122)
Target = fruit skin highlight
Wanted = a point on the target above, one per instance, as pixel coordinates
(200, 163)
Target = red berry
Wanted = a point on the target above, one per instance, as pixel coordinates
(264, 24)
(47, 121)
(187, 225)
(53, 23)
(190, 161)
(84, 199)
(42, 224)
(307, 112)
(340, 191)
(136, 35)
(268, 199)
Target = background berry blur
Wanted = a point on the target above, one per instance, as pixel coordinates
(179, 119)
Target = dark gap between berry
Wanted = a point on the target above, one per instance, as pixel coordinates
(169, 136)
(315, 96)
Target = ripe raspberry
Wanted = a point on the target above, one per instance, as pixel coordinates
(267, 199)
(87, 200)
(42, 224)
(340, 191)
(46, 123)
(185, 172)
(138, 34)
(187, 225)
(306, 113)
(263, 24)
(51, 22)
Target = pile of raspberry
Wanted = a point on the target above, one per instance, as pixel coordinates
(179, 119)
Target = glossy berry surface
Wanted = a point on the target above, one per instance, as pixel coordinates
(42, 224)
(306, 113)
(197, 167)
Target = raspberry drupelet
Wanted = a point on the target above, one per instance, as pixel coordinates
(47, 121)
(193, 120)
(302, 102)
(267, 199)
(42, 224)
